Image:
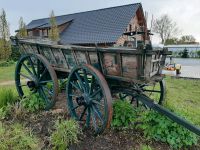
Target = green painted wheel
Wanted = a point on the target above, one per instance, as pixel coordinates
(34, 74)
(156, 91)
(89, 99)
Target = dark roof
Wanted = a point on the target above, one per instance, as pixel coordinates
(97, 26)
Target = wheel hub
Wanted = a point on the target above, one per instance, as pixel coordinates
(83, 100)
(31, 84)
(80, 101)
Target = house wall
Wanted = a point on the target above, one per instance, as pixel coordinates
(136, 22)
(45, 31)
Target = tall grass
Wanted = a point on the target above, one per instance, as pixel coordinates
(7, 96)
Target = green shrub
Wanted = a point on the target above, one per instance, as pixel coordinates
(32, 102)
(6, 63)
(160, 128)
(15, 55)
(146, 147)
(7, 96)
(5, 111)
(123, 114)
(66, 133)
(16, 137)
(62, 84)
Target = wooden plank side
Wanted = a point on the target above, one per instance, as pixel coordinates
(28, 49)
(81, 57)
(93, 58)
(34, 47)
(130, 66)
(47, 53)
(110, 64)
(21, 49)
(59, 57)
(69, 57)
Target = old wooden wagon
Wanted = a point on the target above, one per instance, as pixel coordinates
(93, 76)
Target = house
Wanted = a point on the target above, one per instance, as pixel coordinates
(105, 27)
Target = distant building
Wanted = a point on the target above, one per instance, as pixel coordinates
(176, 49)
(105, 27)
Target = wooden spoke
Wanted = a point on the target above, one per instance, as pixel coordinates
(86, 81)
(80, 81)
(25, 76)
(27, 69)
(96, 92)
(77, 87)
(152, 91)
(83, 113)
(98, 103)
(43, 73)
(32, 66)
(95, 109)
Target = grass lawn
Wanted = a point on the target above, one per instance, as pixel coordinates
(7, 73)
(183, 97)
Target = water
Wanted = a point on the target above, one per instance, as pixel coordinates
(190, 68)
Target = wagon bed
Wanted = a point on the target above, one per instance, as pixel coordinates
(124, 64)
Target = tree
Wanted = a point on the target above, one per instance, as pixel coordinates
(54, 31)
(22, 29)
(165, 27)
(185, 53)
(171, 41)
(198, 53)
(5, 47)
(187, 39)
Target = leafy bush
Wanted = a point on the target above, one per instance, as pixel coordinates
(5, 111)
(62, 84)
(6, 63)
(123, 114)
(15, 55)
(7, 96)
(32, 102)
(146, 147)
(160, 128)
(16, 137)
(66, 133)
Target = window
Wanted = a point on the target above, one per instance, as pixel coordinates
(130, 27)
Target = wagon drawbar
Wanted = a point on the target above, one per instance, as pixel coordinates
(93, 76)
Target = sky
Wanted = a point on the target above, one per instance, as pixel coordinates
(185, 13)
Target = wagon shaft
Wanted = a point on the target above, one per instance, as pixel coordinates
(149, 102)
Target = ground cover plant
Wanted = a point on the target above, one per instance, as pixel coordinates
(182, 98)
(66, 133)
(17, 137)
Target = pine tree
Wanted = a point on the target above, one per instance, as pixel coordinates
(185, 53)
(54, 31)
(5, 47)
(22, 29)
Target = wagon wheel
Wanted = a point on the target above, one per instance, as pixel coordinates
(89, 99)
(34, 74)
(156, 91)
